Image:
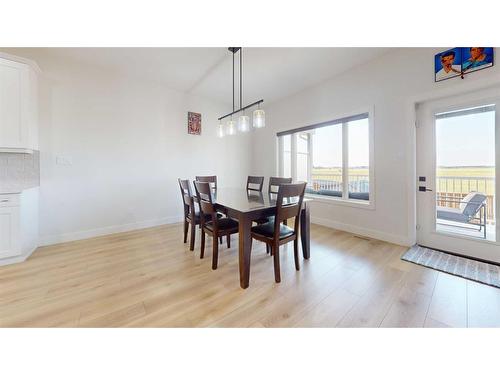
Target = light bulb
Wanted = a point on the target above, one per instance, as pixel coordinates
(220, 130)
(244, 124)
(259, 118)
(231, 127)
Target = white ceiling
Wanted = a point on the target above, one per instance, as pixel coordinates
(268, 73)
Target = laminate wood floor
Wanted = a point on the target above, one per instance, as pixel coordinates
(149, 278)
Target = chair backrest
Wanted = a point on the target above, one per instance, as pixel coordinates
(472, 203)
(187, 196)
(212, 180)
(255, 183)
(204, 194)
(275, 182)
(289, 204)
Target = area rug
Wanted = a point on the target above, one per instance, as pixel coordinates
(474, 270)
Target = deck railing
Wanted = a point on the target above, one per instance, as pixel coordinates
(457, 187)
(333, 182)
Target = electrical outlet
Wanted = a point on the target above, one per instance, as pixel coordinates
(64, 160)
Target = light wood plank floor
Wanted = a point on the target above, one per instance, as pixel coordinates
(149, 278)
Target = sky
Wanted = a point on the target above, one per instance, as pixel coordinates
(327, 145)
(466, 140)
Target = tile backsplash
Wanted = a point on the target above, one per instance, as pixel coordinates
(19, 171)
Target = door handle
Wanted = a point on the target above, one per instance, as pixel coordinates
(423, 189)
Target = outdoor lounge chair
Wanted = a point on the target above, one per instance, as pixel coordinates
(470, 206)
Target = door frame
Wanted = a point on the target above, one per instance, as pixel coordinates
(459, 244)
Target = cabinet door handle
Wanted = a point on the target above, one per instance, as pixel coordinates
(4, 200)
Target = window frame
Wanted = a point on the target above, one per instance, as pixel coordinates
(341, 121)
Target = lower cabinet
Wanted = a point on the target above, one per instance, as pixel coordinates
(18, 225)
(10, 245)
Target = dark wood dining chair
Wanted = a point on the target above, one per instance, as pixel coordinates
(190, 215)
(217, 227)
(255, 183)
(212, 180)
(274, 233)
(275, 182)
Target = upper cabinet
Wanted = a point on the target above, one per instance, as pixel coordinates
(18, 105)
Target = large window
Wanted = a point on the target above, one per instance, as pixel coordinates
(332, 157)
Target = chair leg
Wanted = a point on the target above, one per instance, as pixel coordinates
(296, 254)
(186, 224)
(220, 240)
(276, 252)
(228, 238)
(267, 248)
(215, 253)
(193, 236)
(202, 247)
(285, 222)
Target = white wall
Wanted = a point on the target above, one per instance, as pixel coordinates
(391, 85)
(128, 143)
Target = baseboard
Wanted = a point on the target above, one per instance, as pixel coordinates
(74, 236)
(18, 259)
(361, 231)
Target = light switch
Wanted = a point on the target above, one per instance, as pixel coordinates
(64, 160)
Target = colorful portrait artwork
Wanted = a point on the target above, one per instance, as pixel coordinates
(476, 58)
(448, 64)
(458, 61)
(194, 123)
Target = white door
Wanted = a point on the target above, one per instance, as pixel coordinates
(14, 84)
(457, 162)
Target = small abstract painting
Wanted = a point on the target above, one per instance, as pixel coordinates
(194, 123)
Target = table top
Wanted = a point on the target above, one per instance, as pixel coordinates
(243, 200)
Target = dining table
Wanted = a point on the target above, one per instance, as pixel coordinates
(246, 206)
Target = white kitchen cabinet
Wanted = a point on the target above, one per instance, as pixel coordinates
(9, 232)
(18, 225)
(18, 105)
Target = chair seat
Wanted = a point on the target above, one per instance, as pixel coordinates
(267, 230)
(224, 224)
(452, 214)
(264, 220)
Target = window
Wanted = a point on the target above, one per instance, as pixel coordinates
(332, 157)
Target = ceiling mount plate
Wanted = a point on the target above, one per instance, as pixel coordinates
(234, 49)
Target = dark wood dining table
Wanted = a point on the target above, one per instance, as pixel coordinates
(247, 206)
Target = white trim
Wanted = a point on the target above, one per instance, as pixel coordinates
(338, 201)
(67, 237)
(17, 259)
(21, 60)
(362, 231)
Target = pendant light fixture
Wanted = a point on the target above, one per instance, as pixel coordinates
(243, 124)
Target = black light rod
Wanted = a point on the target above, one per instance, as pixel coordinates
(242, 109)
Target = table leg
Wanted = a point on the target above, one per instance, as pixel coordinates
(305, 231)
(245, 249)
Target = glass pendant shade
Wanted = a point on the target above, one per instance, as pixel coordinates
(259, 118)
(231, 127)
(244, 124)
(221, 132)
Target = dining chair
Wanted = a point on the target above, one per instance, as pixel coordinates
(255, 183)
(274, 233)
(216, 227)
(275, 182)
(212, 180)
(190, 215)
